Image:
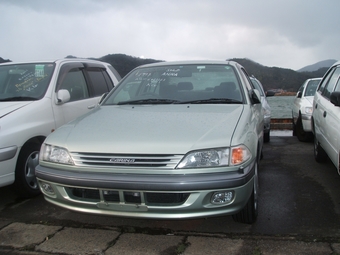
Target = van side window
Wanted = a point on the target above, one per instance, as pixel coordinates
(100, 80)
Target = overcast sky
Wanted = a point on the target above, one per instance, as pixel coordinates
(282, 33)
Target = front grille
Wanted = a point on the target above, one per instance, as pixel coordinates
(87, 194)
(166, 198)
(130, 197)
(133, 160)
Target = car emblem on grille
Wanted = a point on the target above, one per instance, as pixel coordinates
(122, 160)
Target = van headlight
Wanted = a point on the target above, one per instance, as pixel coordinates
(215, 157)
(55, 154)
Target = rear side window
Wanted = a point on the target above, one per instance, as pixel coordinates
(337, 87)
(100, 80)
(325, 80)
(329, 88)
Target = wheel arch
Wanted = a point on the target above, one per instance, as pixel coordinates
(36, 140)
(313, 127)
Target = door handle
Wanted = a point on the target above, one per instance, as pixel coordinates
(324, 114)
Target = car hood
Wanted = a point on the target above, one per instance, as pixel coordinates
(156, 129)
(9, 107)
(309, 100)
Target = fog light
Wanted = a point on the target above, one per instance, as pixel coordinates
(47, 188)
(222, 197)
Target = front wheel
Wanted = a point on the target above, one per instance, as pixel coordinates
(26, 184)
(249, 212)
(294, 127)
(266, 137)
(301, 134)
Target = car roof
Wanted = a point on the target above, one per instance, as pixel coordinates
(336, 63)
(188, 62)
(312, 79)
(63, 60)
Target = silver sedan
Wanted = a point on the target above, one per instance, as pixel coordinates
(172, 140)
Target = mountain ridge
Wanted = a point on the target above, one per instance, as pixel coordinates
(321, 64)
(272, 78)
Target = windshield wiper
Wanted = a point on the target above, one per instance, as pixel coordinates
(18, 99)
(212, 101)
(149, 101)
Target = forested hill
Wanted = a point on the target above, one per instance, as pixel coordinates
(124, 63)
(4, 60)
(271, 77)
(278, 78)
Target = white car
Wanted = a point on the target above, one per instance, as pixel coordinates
(266, 109)
(326, 117)
(35, 99)
(302, 110)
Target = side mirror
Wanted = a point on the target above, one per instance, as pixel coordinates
(335, 98)
(255, 96)
(299, 94)
(63, 96)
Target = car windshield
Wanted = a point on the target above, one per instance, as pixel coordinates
(196, 84)
(24, 82)
(311, 87)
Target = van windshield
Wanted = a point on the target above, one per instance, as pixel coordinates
(24, 82)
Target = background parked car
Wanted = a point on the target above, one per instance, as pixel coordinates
(266, 108)
(302, 110)
(35, 99)
(172, 140)
(326, 117)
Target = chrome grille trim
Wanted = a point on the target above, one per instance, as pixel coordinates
(133, 160)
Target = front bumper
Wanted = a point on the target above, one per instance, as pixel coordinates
(307, 122)
(266, 127)
(8, 158)
(147, 196)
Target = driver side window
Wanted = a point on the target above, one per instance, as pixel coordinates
(75, 83)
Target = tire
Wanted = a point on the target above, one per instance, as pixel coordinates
(294, 127)
(300, 132)
(249, 212)
(319, 153)
(26, 184)
(266, 137)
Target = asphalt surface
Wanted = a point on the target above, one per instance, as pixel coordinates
(299, 213)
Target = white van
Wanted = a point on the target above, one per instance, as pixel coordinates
(326, 117)
(35, 99)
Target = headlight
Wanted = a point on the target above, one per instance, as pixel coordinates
(267, 112)
(215, 157)
(55, 154)
(308, 110)
(205, 158)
